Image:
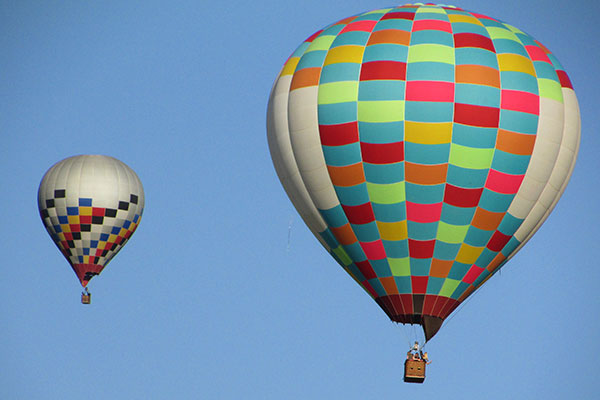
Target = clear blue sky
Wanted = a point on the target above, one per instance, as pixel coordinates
(206, 300)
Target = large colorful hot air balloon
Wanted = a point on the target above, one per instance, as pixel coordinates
(423, 145)
(90, 205)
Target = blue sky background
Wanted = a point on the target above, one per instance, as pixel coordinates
(209, 299)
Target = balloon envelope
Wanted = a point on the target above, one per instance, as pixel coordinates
(90, 206)
(423, 145)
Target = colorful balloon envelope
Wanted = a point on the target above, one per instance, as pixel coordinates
(423, 145)
(90, 206)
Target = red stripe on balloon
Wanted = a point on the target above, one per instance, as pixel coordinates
(419, 284)
(429, 91)
(366, 269)
(369, 288)
(432, 24)
(520, 101)
(421, 248)
(469, 114)
(439, 306)
(423, 213)
(564, 79)
(537, 54)
(399, 15)
(386, 70)
(428, 304)
(374, 250)
(473, 40)
(450, 306)
(361, 214)
(360, 26)
(339, 134)
(382, 153)
(498, 241)
(473, 274)
(407, 303)
(503, 183)
(462, 197)
(398, 305)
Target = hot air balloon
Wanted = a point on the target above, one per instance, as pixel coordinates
(90, 206)
(423, 146)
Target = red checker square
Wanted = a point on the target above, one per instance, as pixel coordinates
(564, 79)
(118, 239)
(75, 227)
(482, 116)
(537, 54)
(85, 219)
(363, 26)
(428, 304)
(451, 306)
(361, 214)
(500, 182)
(424, 213)
(429, 91)
(473, 40)
(432, 24)
(439, 305)
(68, 235)
(421, 248)
(374, 250)
(386, 303)
(399, 15)
(542, 46)
(369, 288)
(472, 274)
(365, 268)
(383, 70)
(419, 284)
(397, 303)
(407, 303)
(382, 153)
(498, 241)
(462, 197)
(98, 212)
(339, 134)
(99, 252)
(520, 101)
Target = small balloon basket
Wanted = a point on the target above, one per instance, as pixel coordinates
(86, 297)
(414, 371)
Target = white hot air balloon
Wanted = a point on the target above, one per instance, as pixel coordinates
(90, 206)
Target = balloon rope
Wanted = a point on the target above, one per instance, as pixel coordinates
(289, 232)
(460, 307)
(403, 328)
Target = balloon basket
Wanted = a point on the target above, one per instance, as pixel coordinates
(414, 371)
(86, 298)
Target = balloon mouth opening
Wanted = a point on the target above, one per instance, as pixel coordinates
(429, 311)
(85, 272)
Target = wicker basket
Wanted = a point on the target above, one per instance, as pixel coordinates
(414, 371)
